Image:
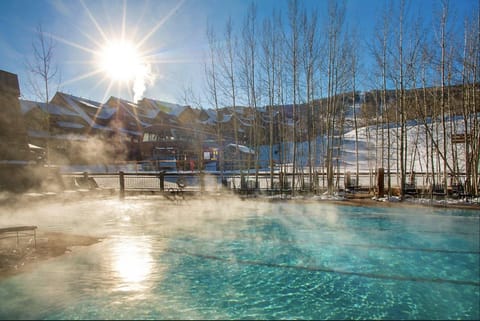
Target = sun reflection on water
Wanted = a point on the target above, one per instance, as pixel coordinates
(132, 263)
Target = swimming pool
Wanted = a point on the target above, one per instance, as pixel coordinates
(229, 259)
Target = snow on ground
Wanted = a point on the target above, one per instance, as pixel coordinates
(373, 147)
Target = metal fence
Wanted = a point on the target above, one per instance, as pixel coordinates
(244, 182)
(249, 182)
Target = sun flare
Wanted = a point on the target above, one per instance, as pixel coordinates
(121, 61)
(117, 60)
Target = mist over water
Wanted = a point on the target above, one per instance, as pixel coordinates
(224, 259)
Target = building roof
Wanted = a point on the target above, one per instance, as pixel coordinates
(130, 108)
(73, 102)
(166, 107)
(241, 148)
(27, 105)
(67, 124)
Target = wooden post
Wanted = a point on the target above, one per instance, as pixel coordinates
(202, 182)
(161, 176)
(243, 182)
(122, 184)
(348, 180)
(380, 182)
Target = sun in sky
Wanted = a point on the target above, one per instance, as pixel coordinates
(120, 59)
(121, 62)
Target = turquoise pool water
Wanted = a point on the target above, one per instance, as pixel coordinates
(250, 260)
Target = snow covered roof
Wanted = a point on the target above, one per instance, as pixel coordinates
(129, 107)
(149, 108)
(67, 124)
(212, 113)
(166, 107)
(241, 148)
(225, 118)
(71, 101)
(106, 112)
(155, 104)
(177, 110)
(102, 111)
(86, 102)
(26, 106)
(212, 117)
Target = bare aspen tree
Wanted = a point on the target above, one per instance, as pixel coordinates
(334, 31)
(452, 109)
(398, 78)
(411, 52)
(268, 49)
(475, 90)
(380, 49)
(189, 97)
(424, 111)
(212, 87)
(441, 38)
(248, 59)
(321, 121)
(309, 59)
(273, 68)
(270, 66)
(353, 57)
(229, 83)
(438, 97)
(293, 44)
(470, 103)
(428, 112)
(413, 67)
(405, 56)
(43, 67)
(281, 97)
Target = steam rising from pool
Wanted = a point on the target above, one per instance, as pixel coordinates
(232, 258)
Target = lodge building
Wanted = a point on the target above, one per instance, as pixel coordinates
(77, 130)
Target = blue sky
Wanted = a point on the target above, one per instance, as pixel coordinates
(171, 32)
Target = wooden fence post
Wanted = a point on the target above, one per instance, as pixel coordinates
(121, 177)
(202, 182)
(161, 176)
(380, 182)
